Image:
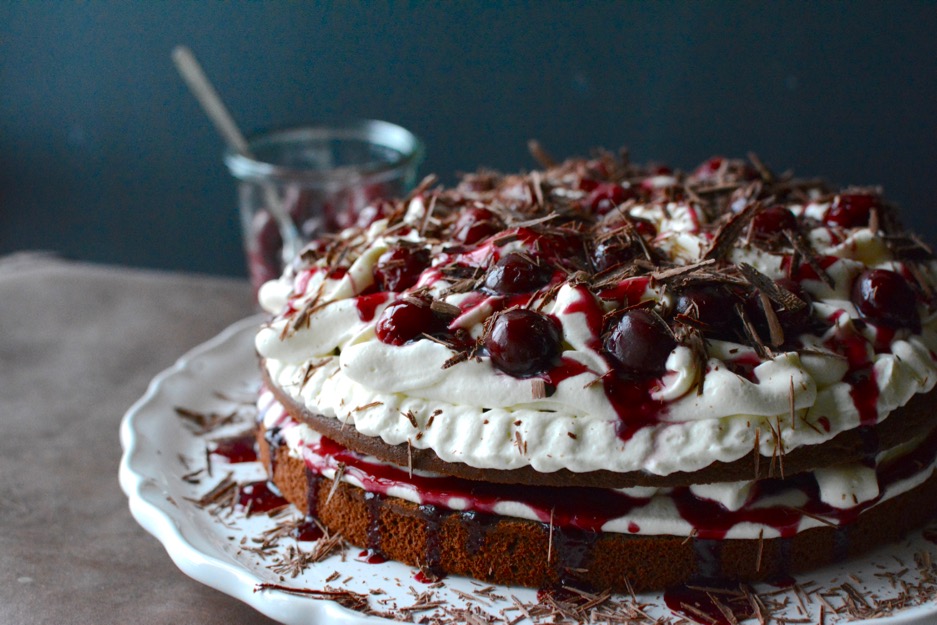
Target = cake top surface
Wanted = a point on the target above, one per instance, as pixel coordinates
(599, 314)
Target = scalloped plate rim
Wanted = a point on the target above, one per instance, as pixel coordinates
(154, 512)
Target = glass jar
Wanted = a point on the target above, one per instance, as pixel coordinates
(299, 183)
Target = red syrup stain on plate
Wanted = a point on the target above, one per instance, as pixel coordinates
(235, 449)
(427, 577)
(371, 557)
(308, 530)
(258, 497)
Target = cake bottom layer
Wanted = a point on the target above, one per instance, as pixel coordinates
(507, 550)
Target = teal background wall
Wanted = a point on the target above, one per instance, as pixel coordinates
(105, 156)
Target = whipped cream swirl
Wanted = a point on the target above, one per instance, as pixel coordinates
(719, 397)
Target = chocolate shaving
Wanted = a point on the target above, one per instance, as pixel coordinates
(673, 272)
(874, 223)
(421, 188)
(445, 309)
(529, 223)
(730, 231)
(336, 482)
(772, 289)
(520, 443)
(409, 458)
(776, 332)
(763, 171)
(224, 491)
(536, 186)
(206, 421)
(550, 540)
(346, 598)
(804, 249)
(752, 333)
(540, 154)
(428, 214)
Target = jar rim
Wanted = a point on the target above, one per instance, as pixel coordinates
(406, 145)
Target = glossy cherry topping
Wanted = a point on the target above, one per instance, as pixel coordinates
(408, 320)
(640, 343)
(475, 224)
(561, 246)
(517, 273)
(852, 210)
(772, 222)
(523, 343)
(885, 297)
(587, 184)
(605, 196)
(502, 241)
(399, 268)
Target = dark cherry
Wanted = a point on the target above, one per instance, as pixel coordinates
(523, 343)
(644, 227)
(885, 297)
(640, 343)
(517, 273)
(399, 268)
(264, 259)
(475, 224)
(606, 196)
(714, 307)
(612, 252)
(408, 320)
(587, 184)
(560, 245)
(851, 210)
(793, 322)
(773, 221)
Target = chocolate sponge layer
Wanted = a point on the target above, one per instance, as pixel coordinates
(506, 550)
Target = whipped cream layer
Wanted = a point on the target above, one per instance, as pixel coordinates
(833, 496)
(321, 346)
